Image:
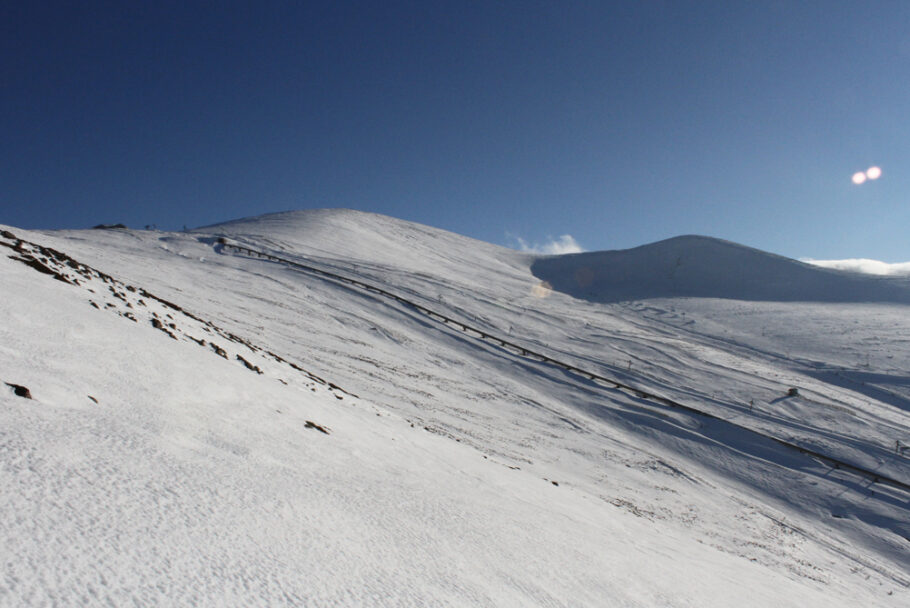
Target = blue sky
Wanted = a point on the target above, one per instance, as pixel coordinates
(618, 123)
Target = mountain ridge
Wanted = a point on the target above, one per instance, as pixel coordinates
(451, 469)
(680, 266)
(708, 267)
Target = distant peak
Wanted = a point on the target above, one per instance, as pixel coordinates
(707, 267)
(697, 240)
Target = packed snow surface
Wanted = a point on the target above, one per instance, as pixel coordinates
(336, 408)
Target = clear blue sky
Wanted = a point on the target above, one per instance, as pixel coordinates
(618, 123)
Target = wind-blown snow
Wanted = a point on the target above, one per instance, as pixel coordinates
(149, 468)
(864, 266)
(552, 246)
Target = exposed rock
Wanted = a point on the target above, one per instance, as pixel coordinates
(249, 365)
(218, 350)
(19, 390)
(312, 425)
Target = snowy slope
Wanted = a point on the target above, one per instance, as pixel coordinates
(202, 477)
(694, 266)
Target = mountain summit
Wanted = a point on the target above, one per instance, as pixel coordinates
(699, 266)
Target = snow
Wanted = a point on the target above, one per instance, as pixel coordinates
(865, 265)
(694, 266)
(188, 478)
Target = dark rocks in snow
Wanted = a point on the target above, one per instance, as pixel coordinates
(43, 258)
(218, 350)
(19, 390)
(55, 263)
(157, 324)
(338, 388)
(248, 365)
(312, 425)
(793, 392)
(40, 267)
(110, 227)
(239, 340)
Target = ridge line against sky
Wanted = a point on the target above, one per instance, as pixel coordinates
(618, 123)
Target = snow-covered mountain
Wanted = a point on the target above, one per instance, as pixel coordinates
(701, 267)
(336, 408)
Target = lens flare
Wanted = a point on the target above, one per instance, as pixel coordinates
(542, 290)
(859, 177)
(874, 172)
